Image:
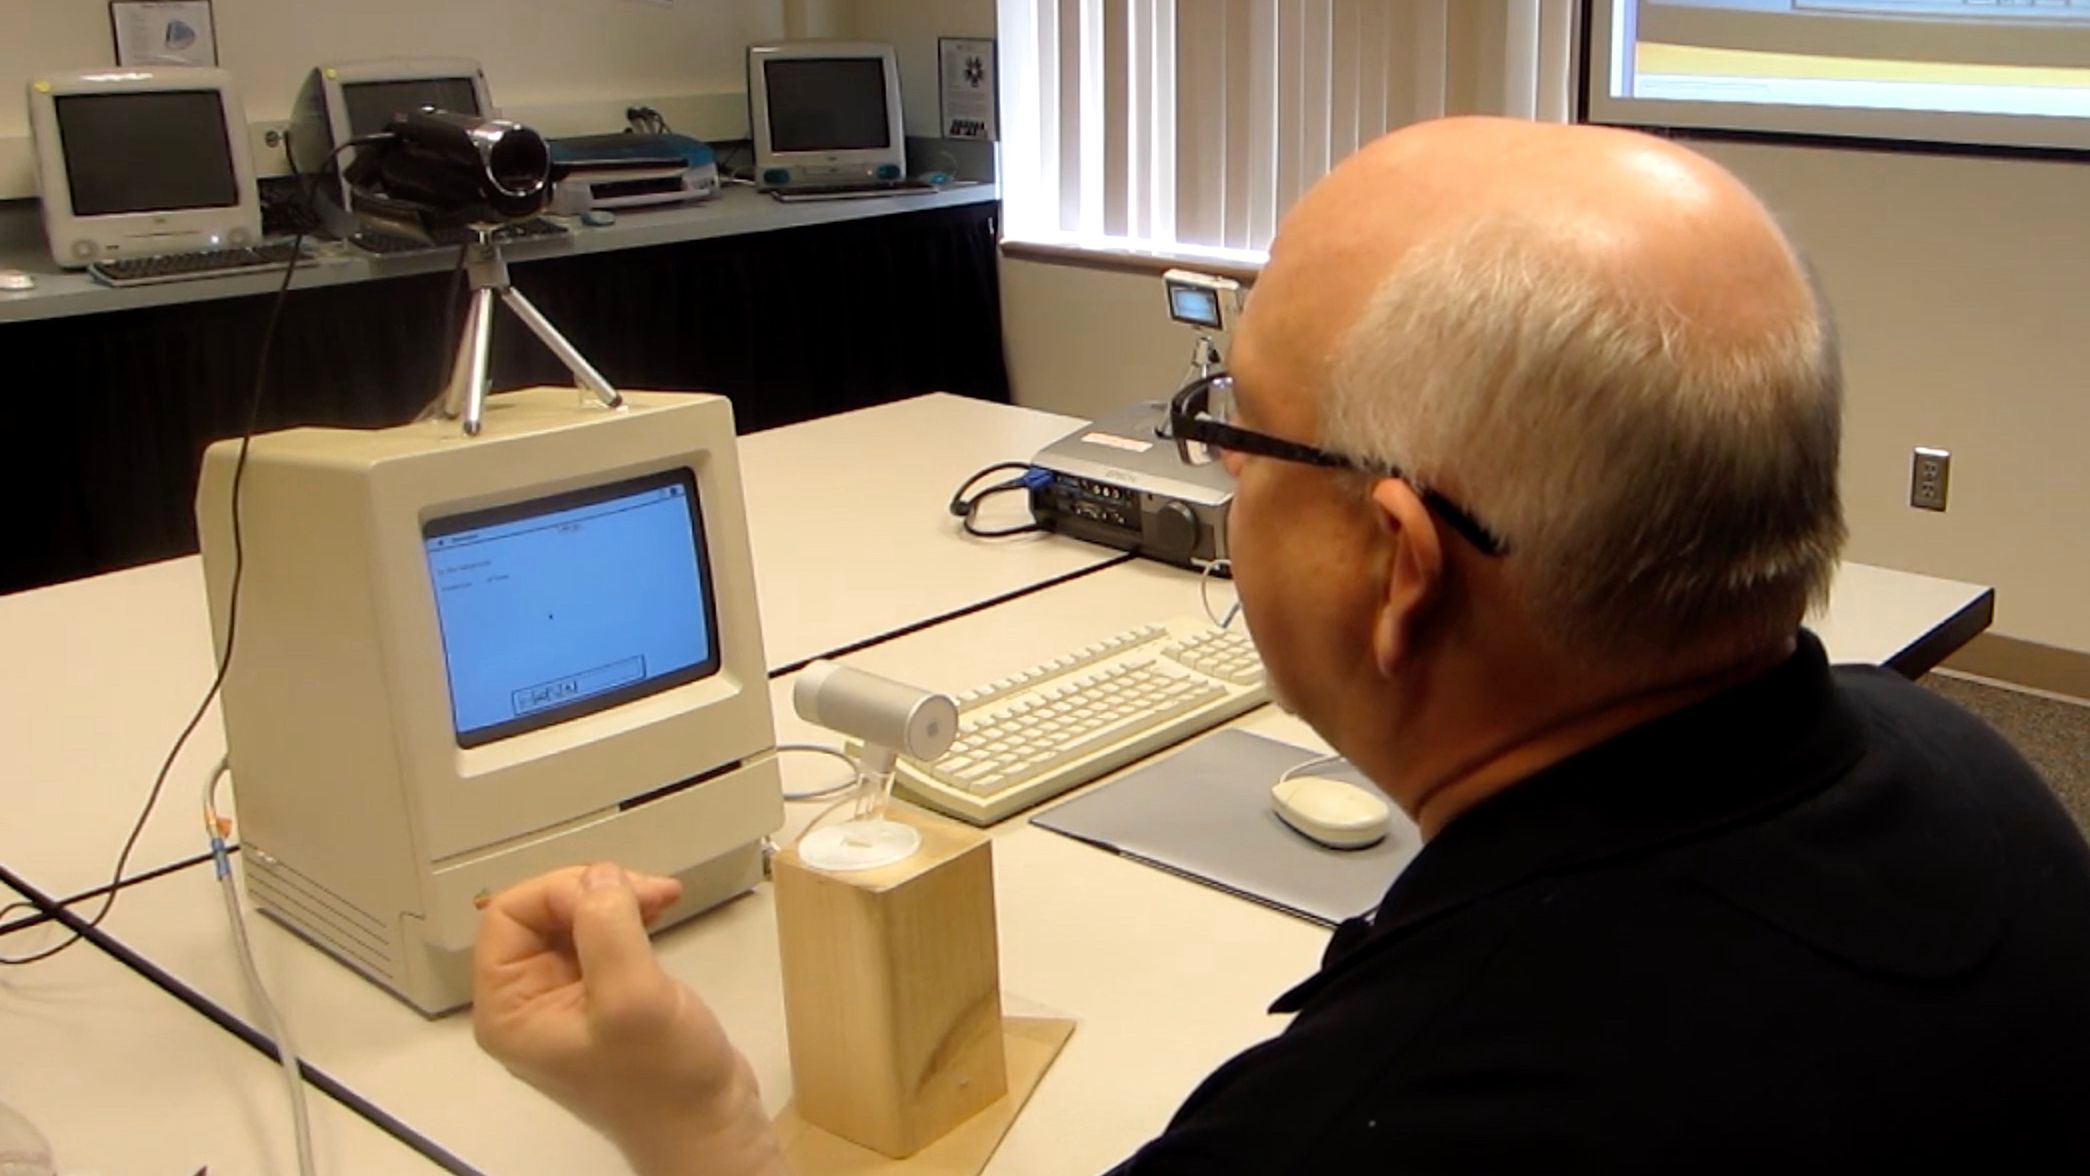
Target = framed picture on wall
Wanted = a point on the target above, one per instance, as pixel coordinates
(163, 32)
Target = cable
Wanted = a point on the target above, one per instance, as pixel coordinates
(272, 1021)
(646, 120)
(967, 509)
(1204, 592)
(239, 473)
(1319, 761)
(823, 749)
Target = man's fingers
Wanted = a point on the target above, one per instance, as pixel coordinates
(655, 893)
(618, 971)
(534, 918)
(523, 920)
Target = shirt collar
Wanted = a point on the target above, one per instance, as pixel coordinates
(1727, 760)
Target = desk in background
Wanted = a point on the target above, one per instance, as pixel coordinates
(793, 311)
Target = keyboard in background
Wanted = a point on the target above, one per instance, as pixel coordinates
(1027, 738)
(382, 244)
(200, 263)
(796, 195)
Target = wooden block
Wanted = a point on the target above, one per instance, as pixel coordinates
(1032, 1043)
(892, 990)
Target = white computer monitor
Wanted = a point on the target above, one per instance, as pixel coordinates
(460, 662)
(343, 100)
(825, 112)
(142, 161)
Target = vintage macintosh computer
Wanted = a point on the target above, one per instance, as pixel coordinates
(460, 661)
(138, 162)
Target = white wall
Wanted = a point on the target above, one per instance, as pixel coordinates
(1963, 290)
(1962, 286)
(912, 27)
(564, 65)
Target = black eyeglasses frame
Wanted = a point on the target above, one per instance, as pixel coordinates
(1188, 425)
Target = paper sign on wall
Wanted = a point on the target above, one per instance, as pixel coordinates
(163, 32)
(967, 84)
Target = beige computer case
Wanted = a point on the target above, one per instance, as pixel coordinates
(363, 826)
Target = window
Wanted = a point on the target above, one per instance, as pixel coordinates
(1185, 128)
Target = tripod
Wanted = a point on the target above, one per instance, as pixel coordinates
(465, 394)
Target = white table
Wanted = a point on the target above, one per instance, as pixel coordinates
(1166, 978)
(121, 1078)
(852, 534)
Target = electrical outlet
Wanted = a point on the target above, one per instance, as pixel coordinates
(1929, 477)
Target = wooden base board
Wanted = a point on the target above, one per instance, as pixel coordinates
(2024, 663)
(1031, 1044)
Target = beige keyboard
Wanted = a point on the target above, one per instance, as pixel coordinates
(1027, 738)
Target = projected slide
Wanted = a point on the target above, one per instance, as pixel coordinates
(2007, 72)
(564, 606)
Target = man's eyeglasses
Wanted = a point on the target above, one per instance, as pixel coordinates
(1201, 418)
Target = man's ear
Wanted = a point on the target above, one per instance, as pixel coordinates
(1413, 576)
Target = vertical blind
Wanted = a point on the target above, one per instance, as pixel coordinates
(1188, 127)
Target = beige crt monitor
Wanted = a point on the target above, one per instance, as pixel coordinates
(460, 661)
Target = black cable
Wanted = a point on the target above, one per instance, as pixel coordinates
(329, 1085)
(310, 181)
(239, 474)
(646, 120)
(967, 509)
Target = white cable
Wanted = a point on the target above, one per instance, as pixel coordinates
(273, 1022)
(831, 789)
(1319, 761)
(1204, 593)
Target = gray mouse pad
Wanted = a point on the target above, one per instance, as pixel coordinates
(1204, 812)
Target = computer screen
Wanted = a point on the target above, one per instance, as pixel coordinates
(1194, 306)
(371, 105)
(562, 606)
(1967, 72)
(826, 104)
(146, 152)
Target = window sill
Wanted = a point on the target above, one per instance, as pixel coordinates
(1125, 261)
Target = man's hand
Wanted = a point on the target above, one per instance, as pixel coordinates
(568, 995)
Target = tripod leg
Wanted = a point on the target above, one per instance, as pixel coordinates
(466, 394)
(584, 373)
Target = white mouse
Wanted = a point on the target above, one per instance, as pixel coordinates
(1336, 813)
(14, 279)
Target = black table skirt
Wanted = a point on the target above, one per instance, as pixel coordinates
(110, 413)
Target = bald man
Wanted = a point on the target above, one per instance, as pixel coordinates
(1534, 432)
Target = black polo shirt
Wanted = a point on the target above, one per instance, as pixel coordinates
(1824, 921)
